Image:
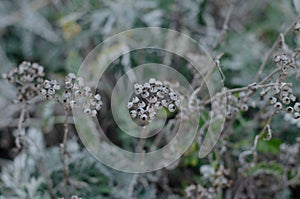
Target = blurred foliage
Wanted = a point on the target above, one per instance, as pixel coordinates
(59, 34)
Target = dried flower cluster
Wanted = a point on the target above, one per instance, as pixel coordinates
(28, 78)
(73, 91)
(198, 191)
(236, 104)
(151, 97)
(29, 81)
(218, 178)
(282, 98)
(289, 154)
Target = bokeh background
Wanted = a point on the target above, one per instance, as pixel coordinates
(59, 34)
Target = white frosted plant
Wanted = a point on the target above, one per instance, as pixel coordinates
(151, 97)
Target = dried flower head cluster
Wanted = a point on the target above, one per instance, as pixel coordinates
(218, 178)
(28, 78)
(282, 98)
(289, 154)
(73, 92)
(232, 103)
(285, 62)
(198, 191)
(151, 97)
(236, 104)
(29, 81)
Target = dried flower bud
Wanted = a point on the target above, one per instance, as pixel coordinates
(286, 100)
(229, 115)
(145, 94)
(141, 104)
(244, 107)
(135, 100)
(93, 113)
(87, 111)
(129, 104)
(158, 105)
(144, 117)
(152, 115)
(171, 107)
(297, 106)
(276, 90)
(133, 114)
(289, 109)
(292, 97)
(277, 58)
(272, 100)
(296, 115)
(98, 97)
(278, 105)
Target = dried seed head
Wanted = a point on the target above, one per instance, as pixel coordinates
(129, 104)
(158, 105)
(28, 79)
(144, 117)
(145, 94)
(141, 104)
(297, 106)
(277, 58)
(278, 106)
(286, 100)
(289, 109)
(272, 100)
(171, 107)
(93, 113)
(133, 113)
(229, 115)
(292, 97)
(151, 97)
(276, 90)
(244, 107)
(296, 115)
(87, 111)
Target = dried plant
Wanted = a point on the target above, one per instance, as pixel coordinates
(30, 83)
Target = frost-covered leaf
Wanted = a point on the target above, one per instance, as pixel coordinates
(153, 18)
(36, 23)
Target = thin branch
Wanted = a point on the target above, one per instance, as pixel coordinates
(253, 150)
(20, 126)
(225, 24)
(275, 44)
(132, 185)
(239, 90)
(64, 153)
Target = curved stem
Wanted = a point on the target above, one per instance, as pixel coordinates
(265, 61)
(64, 154)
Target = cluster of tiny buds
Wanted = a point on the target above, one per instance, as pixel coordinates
(282, 98)
(220, 179)
(285, 62)
(74, 89)
(198, 191)
(236, 104)
(151, 97)
(28, 78)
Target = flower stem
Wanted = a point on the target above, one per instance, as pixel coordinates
(64, 154)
